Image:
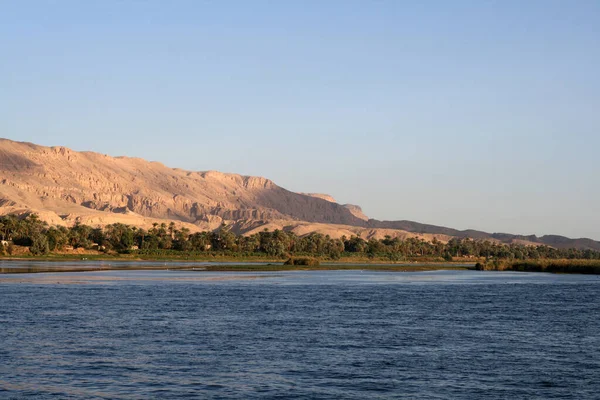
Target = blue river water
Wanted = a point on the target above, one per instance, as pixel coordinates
(321, 334)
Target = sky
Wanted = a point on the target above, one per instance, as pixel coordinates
(468, 114)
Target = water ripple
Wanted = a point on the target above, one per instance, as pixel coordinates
(301, 335)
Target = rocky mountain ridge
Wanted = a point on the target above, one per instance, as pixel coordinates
(64, 186)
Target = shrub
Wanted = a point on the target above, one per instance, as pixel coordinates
(39, 245)
(307, 261)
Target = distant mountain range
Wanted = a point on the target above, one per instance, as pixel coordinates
(64, 186)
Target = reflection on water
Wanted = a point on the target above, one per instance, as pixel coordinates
(129, 276)
(141, 272)
(299, 334)
(36, 266)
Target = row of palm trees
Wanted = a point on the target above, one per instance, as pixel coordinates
(163, 238)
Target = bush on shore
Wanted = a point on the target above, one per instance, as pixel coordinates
(307, 261)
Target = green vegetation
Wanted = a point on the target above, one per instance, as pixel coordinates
(308, 261)
(554, 266)
(169, 242)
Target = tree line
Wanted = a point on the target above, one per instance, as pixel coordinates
(163, 239)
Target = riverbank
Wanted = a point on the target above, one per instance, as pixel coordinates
(552, 266)
(348, 258)
(225, 262)
(38, 266)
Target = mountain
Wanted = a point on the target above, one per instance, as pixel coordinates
(354, 209)
(65, 186)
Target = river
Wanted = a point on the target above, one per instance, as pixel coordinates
(299, 334)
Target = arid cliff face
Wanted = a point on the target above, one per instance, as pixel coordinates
(65, 182)
(64, 186)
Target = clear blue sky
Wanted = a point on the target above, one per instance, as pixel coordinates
(469, 114)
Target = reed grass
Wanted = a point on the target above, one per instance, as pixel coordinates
(545, 265)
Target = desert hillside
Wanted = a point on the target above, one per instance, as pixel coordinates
(66, 182)
(64, 186)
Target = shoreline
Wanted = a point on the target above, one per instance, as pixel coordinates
(212, 266)
(85, 263)
(60, 257)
